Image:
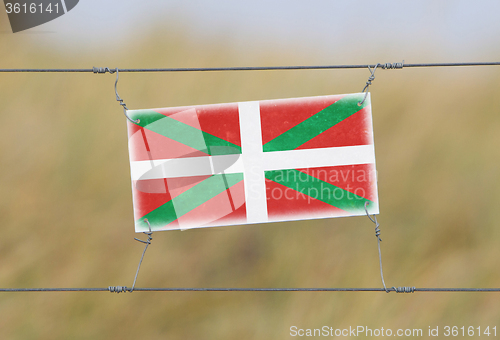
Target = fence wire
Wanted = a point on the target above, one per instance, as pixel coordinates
(122, 289)
(397, 65)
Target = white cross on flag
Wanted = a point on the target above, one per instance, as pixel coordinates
(252, 162)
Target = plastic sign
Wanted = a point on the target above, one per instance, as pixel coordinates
(252, 162)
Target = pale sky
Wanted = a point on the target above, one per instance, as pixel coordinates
(460, 30)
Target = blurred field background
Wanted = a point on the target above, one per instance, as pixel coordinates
(66, 206)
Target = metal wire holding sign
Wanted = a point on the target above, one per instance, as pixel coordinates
(371, 67)
(387, 66)
(119, 289)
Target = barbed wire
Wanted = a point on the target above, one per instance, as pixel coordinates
(250, 68)
(123, 289)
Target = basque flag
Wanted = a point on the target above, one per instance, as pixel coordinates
(252, 162)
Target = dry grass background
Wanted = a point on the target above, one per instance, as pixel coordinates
(66, 210)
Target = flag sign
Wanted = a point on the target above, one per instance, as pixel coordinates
(252, 162)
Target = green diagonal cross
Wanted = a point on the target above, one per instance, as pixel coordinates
(183, 133)
(189, 200)
(316, 124)
(320, 190)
